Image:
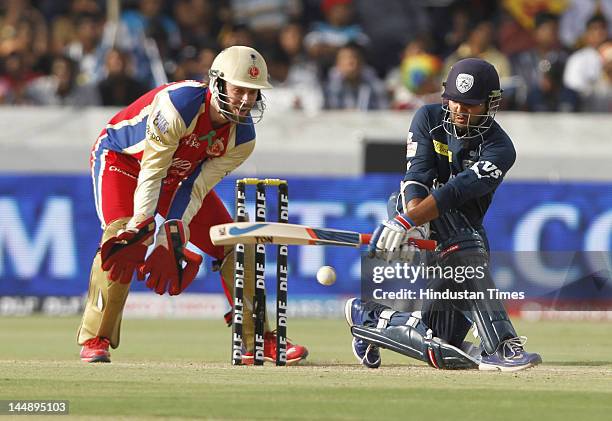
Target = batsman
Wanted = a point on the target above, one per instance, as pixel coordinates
(457, 157)
(162, 156)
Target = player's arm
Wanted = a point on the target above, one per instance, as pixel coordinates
(213, 171)
(165, 127)
(171, 266)
(481, 178)
(389, 238)
(421, 162)
(123, 253)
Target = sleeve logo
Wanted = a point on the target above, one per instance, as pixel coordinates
(411, 146)
(160, 122)
(486, 169)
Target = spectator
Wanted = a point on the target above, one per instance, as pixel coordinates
(578, 14)
(291, 40)
(60, 87)
(194, 64)
(338, 29)
(152, 38)
(206, 56)
(416, 81)
(352, 85)
(518, 21)
(390, 25)
(63, 28)
(584, 67)
(265, 18)
(197, 21)
(540, 69)
(293, 89)
(119, 87)
(479, 45)
(187, 64)
(15, 77)
(302, 71)
(23, 30)
(458, 31)
(601, 100)
(86, 48)
(235, 35)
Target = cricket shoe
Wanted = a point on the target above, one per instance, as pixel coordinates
(366, 353)
(510, 356)
(95, 350)
(295, 353)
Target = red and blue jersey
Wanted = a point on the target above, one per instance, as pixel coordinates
(166, 136)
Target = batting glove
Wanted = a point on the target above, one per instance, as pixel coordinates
(391, 240)
(125, 252)
(171, 266)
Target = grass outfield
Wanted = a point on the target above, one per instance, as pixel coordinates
(173, 368)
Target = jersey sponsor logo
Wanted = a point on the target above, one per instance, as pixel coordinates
(192, 141)
(411, 146)
(152, 136)
(441, 148)
(486, 169)
(160, 122)
(216, 148)
(464, 82)
(113, 168)
(179, 168)
(181, 164)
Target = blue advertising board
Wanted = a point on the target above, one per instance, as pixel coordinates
(49, 230)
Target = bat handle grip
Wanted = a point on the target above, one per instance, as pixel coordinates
(420, 243)
(365, 238)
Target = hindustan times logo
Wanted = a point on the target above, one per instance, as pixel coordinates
(447, 294)
(411, 273)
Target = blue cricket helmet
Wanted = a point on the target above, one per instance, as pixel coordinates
(471, 81)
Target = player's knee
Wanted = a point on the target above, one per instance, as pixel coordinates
(457, 237)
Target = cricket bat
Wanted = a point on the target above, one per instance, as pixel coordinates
(292, 234)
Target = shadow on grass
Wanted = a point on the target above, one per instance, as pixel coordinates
(580, 363)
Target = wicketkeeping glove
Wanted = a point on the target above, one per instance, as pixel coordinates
(171, 266)
(125, 252)
(391, 240)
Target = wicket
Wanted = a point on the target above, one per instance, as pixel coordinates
(259, 300)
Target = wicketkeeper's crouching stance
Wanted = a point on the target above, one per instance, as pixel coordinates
(162, 155)
(457, 157)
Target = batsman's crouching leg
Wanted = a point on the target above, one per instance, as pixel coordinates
(105, 299)
(410, 341)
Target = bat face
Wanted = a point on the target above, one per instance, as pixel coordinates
(280, 233)
(291, 234)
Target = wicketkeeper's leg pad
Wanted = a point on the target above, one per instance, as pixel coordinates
(227, 275)
(105, 298)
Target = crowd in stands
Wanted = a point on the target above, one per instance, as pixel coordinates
(552, 55)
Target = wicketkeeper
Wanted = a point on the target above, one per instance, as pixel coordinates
(162, 155)
(457, 157)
